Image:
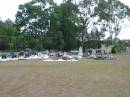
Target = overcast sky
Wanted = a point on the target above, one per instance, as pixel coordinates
(8, 9)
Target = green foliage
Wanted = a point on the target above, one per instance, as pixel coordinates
(93, 44)
(32, 18)
(118, 47)
(63, 27)
(42, 24)
(103, 10)
(8, 32)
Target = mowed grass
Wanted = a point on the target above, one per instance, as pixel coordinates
(86, 78)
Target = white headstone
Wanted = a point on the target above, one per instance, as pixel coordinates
(93, 51)
(80, 51)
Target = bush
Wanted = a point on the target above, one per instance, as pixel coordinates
(117, 48)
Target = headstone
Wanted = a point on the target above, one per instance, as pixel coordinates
(93, 52)
(80, 51)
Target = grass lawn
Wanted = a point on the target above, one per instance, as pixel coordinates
(86, 78)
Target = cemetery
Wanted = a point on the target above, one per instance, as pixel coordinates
(65, 48)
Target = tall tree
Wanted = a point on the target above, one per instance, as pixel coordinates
(55, 28)
(62, 30)
(87, 18)
(69, 25)
(33, 19)
(112, 14)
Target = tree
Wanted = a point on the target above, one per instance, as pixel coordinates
(8, 33)
(33, 18)
(63, 29)
(87, 16)
(69, 25)
(112, 14)
(55, 29)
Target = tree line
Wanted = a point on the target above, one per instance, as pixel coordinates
(42, 24)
